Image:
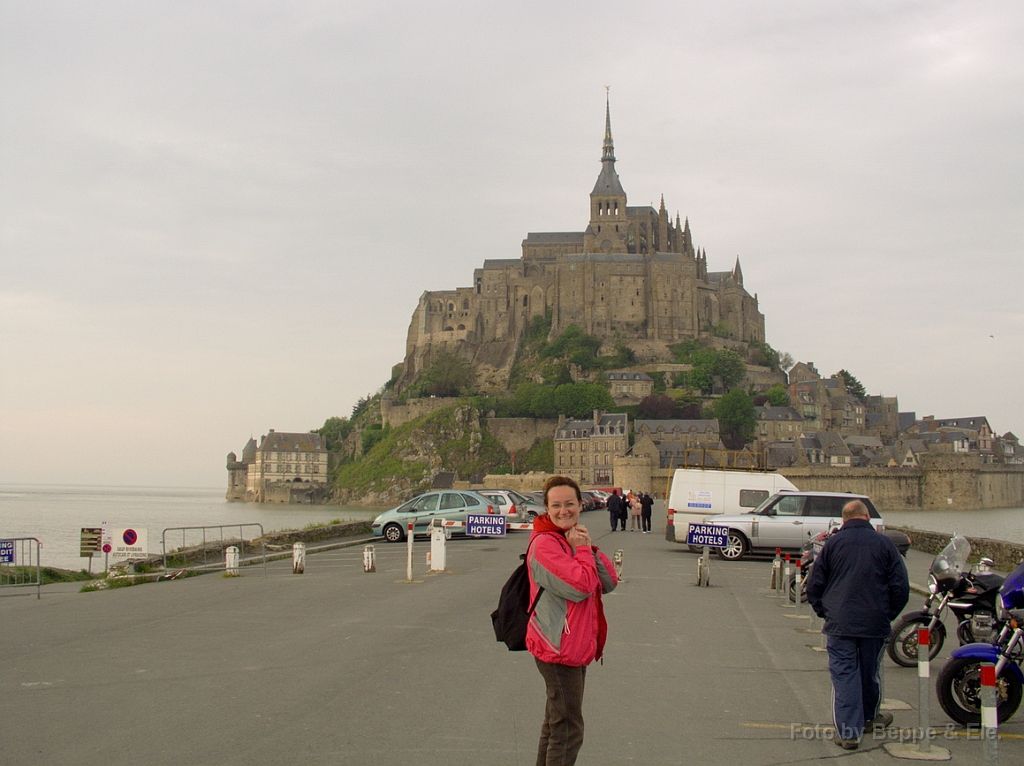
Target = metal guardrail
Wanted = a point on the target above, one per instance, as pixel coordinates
(19, 564)
(203, 548)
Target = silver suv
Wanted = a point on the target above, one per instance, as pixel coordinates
(786, 520)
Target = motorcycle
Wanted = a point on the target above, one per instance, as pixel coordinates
(970, 594)
(958, 686)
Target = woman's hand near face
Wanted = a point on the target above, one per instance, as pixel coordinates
(577, 536)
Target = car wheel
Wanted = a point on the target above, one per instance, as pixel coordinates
(735, 547)
(393, 533)
(531, 515)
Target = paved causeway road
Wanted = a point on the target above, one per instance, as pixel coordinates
(337, 666)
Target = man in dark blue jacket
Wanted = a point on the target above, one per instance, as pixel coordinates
(858, 585)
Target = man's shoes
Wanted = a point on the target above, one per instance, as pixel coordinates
(881, 721)
(848, 744)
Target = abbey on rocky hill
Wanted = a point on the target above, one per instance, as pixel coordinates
(633, 275)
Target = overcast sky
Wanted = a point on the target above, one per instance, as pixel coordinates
(217, 218)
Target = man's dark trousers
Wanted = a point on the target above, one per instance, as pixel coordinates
(854, 665)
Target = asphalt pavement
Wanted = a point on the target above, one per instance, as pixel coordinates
(339, 666)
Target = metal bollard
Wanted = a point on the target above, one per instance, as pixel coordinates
(437, 554)
(670, 526)
(231, 560)
(776, 569)
(369, 559)
(798, 590)
(924, 688)
(617, 561)
(786, 574)
(989, 714)
(408, 552)
(298, 558)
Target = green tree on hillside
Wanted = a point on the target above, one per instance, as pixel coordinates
(334, 431)
(778, 396)
(447, 375)
(853, 386)
(737, 418)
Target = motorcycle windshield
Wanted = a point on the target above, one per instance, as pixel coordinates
(1012, 591)
(951, 561)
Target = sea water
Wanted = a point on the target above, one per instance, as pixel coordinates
(55, 515)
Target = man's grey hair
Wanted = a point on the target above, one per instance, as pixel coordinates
(855, 509)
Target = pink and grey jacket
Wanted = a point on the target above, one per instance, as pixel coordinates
(568, 625)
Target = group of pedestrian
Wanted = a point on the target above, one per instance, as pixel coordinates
(636, 506)
(858, 585)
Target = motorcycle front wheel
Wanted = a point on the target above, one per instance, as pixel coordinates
(902, 646)
(959, 690)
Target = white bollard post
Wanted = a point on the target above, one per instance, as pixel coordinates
(231, 560)
(989, 714)
(798, 591)
(369, 559)
(298, 558)
(776, 570)
(705, 572)
(786, 574)
(408, 550)
(617, 561)
(437, 545)
(924, 688)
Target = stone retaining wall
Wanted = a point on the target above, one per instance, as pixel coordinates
(1007, 556)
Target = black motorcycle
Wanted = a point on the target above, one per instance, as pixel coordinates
(969, 593)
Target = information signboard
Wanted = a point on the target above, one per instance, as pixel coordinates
(6, 551)
(489, 525)
(91, 542)
(707, 534)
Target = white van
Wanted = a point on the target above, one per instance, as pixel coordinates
(701, 492)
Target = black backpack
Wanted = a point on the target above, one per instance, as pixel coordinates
(514, 608)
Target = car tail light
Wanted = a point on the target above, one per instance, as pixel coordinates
(512, 510)
(490, 509)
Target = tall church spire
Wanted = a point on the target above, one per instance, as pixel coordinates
(609, 145)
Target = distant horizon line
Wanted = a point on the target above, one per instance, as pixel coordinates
(103, 486)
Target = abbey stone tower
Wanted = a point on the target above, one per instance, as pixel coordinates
(633, 275)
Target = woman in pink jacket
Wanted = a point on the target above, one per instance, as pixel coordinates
(567, 629)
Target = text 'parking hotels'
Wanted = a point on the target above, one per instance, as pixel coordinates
(490, 525)
(707, 534)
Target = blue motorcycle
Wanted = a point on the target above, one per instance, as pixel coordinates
(959, 684)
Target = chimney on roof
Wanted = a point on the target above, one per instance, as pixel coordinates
(597, 416)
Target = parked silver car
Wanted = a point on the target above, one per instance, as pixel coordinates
(517, 507)
(786, 520)
(447, 504)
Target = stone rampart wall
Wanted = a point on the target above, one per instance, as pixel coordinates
(945, 481)
(396, 414)
(519, 434)
(1007, 556)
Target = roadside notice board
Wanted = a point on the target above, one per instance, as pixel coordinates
(91, 542)
(6, 551)
(707, 534)
(489, 525)
(125, 542)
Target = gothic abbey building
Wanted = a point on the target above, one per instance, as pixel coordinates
(632, 275)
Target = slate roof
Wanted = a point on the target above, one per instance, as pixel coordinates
(777, 413)
(278, 441)
(587, 428)
(668, 426)
(553, 238)
(628, 376)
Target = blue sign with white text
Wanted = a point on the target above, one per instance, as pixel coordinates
(490, 525)
(707, 534)
(6, 551)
